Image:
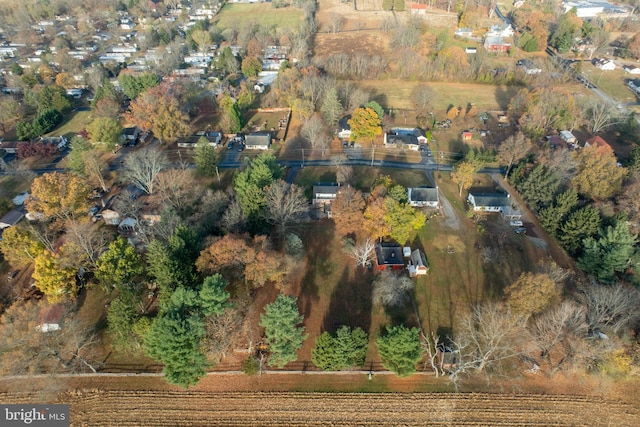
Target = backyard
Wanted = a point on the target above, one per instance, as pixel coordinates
(238, 15)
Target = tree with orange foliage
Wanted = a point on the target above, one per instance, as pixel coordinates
(158, 110)
(242, 257)
(347, 209)
(65, 80)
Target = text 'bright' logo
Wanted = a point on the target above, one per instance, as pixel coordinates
(37, 415)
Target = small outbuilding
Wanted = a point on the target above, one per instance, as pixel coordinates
(50, 318)
(11, 218)
(418, 264)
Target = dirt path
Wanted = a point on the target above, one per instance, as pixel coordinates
(450, 216)
(536, 231)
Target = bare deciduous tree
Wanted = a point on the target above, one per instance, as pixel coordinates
(284, 203)
(344, 174)
(336, 22)
(611, 308)
(92, 240)
(432, 347)
(142, 168)
(487, 338)
(362, 252)
(421, 99)
(26, 349)
(392, 290)
(513, 149)
(314, 130)
(600, 116)
(175, 187)
(95, 168)
(555, 331)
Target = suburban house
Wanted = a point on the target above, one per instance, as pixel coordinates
(11, 218)
(470, 50)
(529, 67)
(423, 197)
(258, 141)
(325, 192)
(389, 257)
(597, 141)
(463, 32)
(58, 141)
(50, 318)
(214, 139)
(568, 137)
(631, 69)
(604, 64)
(130, 134)
(489, 202)
(496, 45)
(466, 135)
(409, 137)
(10, 147)
(502, 30)
(417, 264)
(344, 129)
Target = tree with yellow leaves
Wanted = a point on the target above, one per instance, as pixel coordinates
(59, 195)
(463, 175)
(598, 175)
(52, 278)
(19, 247)
(365, 124)
(531, 294)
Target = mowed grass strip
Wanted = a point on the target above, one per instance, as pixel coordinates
(239, 15)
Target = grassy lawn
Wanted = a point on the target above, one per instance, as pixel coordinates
(11, 185)
(459, 276)
(72, 124)
(240, 15)
(610, 82)
(397, 94)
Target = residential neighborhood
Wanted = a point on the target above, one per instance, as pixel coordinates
(281, 213)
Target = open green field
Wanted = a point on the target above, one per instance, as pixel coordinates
(73, 123)
(238, 15)
(397, 94)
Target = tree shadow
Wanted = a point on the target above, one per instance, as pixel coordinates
(350, 302)
(319, 244)
(504, 94)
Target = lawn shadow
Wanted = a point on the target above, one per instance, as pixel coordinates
(319, 244)
(350, 302)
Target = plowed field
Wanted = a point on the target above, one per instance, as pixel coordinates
(194, 408)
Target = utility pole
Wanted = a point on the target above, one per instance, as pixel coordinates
(302, 158)
(373, 153)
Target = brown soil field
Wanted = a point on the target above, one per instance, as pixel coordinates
(203, 408)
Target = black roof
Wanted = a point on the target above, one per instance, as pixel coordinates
(389, 254)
